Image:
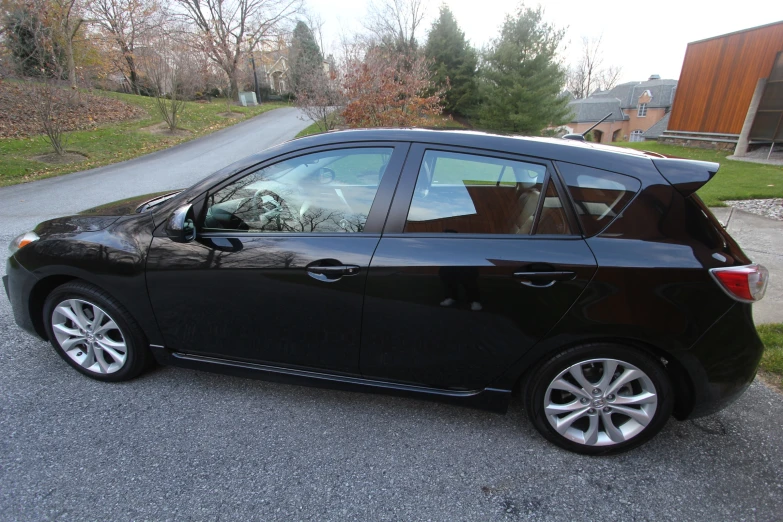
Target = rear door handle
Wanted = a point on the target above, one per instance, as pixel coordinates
(331, 273)
(543, 279)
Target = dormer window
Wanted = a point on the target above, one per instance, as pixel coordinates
(642, 110)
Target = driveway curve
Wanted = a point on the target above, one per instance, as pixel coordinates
(23, 206)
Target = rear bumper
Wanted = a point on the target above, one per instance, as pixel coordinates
(723, 363)
(19, 284)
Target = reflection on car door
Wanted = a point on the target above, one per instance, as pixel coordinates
(278, 269)
(480, 257)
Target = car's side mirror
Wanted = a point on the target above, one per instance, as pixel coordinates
(181, 227)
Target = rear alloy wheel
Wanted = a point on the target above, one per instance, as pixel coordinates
(94, 333)
(599, 399)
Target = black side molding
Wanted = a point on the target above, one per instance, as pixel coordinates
(490, 399)
(687, 176)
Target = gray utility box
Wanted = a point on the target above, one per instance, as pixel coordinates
(247, 98)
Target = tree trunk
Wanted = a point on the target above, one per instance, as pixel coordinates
(70, 33)
(133, 76)
(234, 87)
(71, 66)
(134, 82)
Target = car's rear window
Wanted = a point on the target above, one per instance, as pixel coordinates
(599, 195)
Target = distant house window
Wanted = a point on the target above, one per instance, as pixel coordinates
(636, 135)
(642, 110)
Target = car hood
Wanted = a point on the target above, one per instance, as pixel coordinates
(101, 217)
(128, 206)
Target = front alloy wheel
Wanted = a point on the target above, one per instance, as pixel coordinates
(94, 333)
(89, 336)
(599, 399)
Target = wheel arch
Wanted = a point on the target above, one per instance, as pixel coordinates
(126, 291)
(40, 291)
(681, 381)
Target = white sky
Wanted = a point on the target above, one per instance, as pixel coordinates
(644, 37)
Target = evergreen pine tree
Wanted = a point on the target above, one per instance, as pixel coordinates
(454, 59)
(521, 78)
(305, 55)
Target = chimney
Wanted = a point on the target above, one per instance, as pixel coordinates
(655, 77)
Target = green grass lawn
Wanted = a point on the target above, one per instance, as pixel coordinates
(734, 180)
(314, 128)
(115, 142)
(772, 361)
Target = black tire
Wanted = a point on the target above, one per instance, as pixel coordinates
(138, 357)
(535, 395)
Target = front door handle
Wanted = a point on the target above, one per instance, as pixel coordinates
(543, 279)
(331, 273)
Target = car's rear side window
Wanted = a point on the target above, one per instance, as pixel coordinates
(599, 195)
(474, 194)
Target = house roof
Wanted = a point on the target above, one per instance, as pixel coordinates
(658, 128)
(593, 109)
(662, 92)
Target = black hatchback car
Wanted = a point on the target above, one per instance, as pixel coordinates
(456, 265)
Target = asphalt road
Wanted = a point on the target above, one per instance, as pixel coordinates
(23, 206)
(186, 445)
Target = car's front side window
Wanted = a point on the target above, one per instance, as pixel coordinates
(473, 194)
(330, 191)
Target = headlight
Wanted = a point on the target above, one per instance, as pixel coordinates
(21, 241)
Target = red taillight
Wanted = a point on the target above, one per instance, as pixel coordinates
(743, 283)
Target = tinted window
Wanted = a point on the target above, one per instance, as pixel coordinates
(471, 194)
(323, 192)
(599, 196)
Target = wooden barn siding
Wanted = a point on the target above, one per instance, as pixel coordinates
(718, 79)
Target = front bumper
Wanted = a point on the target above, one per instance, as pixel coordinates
(19, 284)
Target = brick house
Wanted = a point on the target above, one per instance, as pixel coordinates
(635, 107)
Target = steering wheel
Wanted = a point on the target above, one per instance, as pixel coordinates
(269, 205)
(325, 175)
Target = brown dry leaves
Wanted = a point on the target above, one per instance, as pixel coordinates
(18, 119)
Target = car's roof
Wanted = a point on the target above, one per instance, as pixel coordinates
(616, 159)
(628, 161)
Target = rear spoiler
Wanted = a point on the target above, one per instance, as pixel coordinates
(687, 176)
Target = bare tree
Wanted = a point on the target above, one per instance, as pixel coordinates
(128, 23)
(396, 22)
(65, 17)
(320, 97)
(171, 70)
(588, 74)
(51, 105)
(582, 75)
(49, 102)
(226, 28)
(608, 78)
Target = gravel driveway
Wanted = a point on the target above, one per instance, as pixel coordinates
(185, 445)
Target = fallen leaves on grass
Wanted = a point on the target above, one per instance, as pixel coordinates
(18, 119)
